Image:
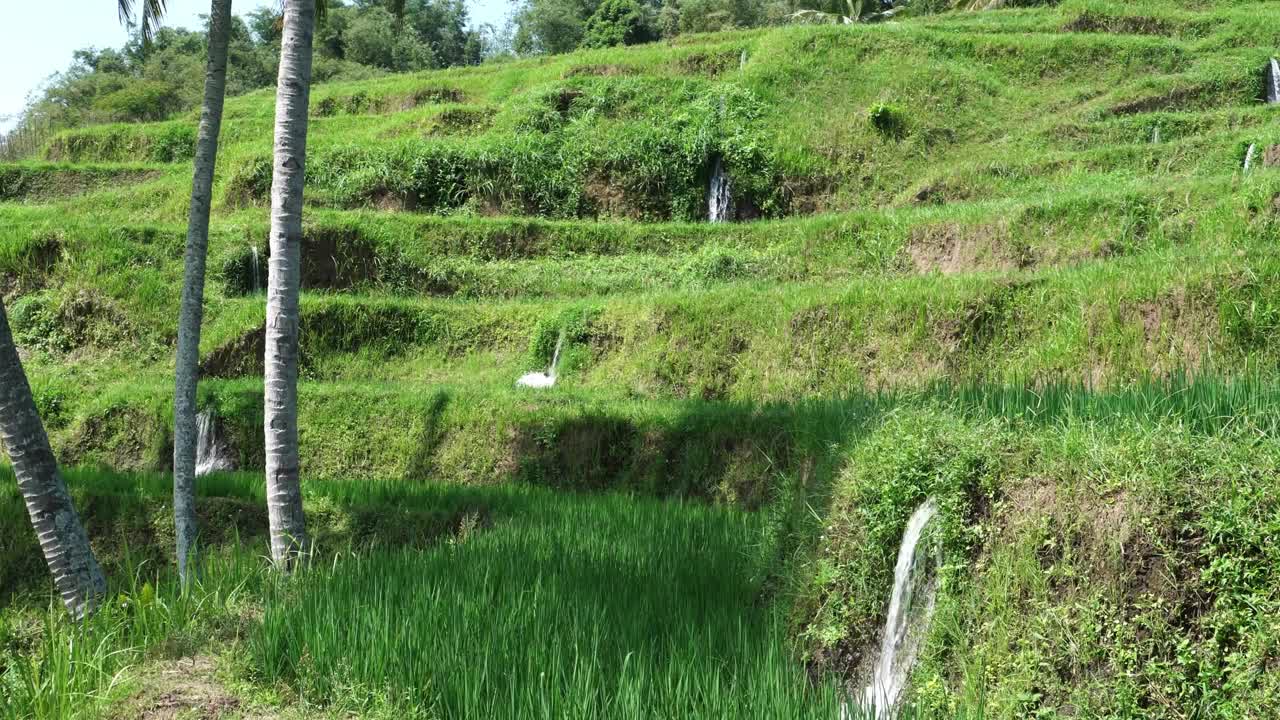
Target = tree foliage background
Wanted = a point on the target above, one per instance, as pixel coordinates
(145, 81)
(360, 39)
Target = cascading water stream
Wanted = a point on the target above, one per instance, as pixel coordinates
(1248, 156)
(254, 249)
(544, 379)
(910, 610)
(1273, 82)
(720, 187)
(719, 193)
(211, 454)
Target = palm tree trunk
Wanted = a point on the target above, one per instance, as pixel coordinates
(293, 91)
(63, 540)
(192, 309)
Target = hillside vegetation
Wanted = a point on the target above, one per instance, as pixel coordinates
(971, 198)
(1009, 259)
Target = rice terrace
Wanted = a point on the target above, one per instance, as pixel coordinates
(641, 359)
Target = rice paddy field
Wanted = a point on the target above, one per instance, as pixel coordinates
(1005, 259)
(505, 602)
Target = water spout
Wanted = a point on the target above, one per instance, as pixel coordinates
(1248, 156)
(719, 193)
(211, 454)
(910, 610)
(254, 250)
(544, 379)
(1273, 82)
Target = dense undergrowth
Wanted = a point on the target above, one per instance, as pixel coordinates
(1118, 570)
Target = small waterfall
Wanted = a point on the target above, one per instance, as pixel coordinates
(544, 379)
(254, 250)
(1273, 82)
(1248, 156)
(908, 617)
(719, 194)
(211, 453)
(742, 60)
(1155, 135)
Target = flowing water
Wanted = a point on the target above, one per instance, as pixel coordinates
(211, 454)
(254, 248)
(544, 379)
(1273, 82)
(1248, 156)
(910, 609)
(719, 194)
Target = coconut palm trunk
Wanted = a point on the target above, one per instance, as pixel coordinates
(293, 91)
(63, 541)
(191, 311)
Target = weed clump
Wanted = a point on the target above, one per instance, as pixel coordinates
(887, 119)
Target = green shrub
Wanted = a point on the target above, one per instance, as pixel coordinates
(913, 455)
(238, 268)
(888, 119)
(251, 182)
(36, 323)
(568, 159)
(143, 101)
(175, 143)
(618, 22)
(574, 322)
(715, 264)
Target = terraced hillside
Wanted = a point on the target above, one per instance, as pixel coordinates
(1033, 195)
(927, 211)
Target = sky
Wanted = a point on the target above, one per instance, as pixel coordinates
(37, 38)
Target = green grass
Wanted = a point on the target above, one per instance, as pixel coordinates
(535, 604)
(584, 606)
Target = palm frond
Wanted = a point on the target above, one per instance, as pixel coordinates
(152, 12)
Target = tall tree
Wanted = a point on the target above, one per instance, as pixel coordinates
(62, 538)
(293, 91)
(191, 312)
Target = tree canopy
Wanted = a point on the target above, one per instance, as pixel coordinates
(555, 26)
(150, 80)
